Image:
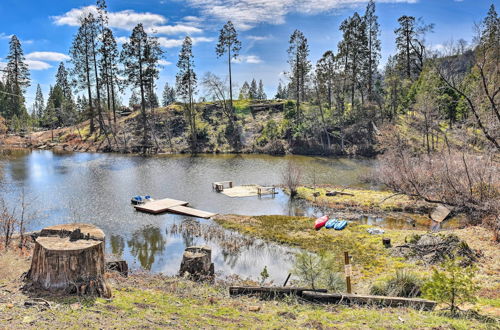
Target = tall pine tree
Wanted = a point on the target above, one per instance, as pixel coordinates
(17, 79)
(186, 84)
(229, 43)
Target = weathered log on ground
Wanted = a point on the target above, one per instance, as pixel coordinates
(69, 259)
(269, 292)
(197, 263)
(119, 266)
(350, 299)
(335, 193)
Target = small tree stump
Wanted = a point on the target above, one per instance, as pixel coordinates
(69, 258)
(197, 263)
(387, 242)
(119, 266)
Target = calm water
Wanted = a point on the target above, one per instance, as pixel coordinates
(96, 188)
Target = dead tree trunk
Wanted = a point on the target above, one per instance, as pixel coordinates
(70, 259)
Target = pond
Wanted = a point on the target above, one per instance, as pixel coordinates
(96, 188)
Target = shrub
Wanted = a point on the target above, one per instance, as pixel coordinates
(453, 284)
(319, 271)
(291, 177)
(403, 284)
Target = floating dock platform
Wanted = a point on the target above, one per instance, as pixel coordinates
(173, 206)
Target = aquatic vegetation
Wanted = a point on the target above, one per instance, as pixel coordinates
(370, 258)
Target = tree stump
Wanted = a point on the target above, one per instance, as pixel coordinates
(69, 259)
(197, 263)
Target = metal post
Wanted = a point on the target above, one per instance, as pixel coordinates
(348, 271)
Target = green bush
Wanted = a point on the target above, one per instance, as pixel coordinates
(453, 284)
(319, 271)
(403, 284)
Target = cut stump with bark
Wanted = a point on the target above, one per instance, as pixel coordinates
(69, 258)
(197, 263)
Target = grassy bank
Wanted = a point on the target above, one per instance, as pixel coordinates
(371, 258)
(154, 301)
(362, 200)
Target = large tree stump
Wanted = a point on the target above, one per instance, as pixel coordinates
(70, 259)
(197, 263)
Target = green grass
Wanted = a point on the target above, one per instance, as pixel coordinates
(363, 199)
(156, 302)
(242, 107)
(370, 257)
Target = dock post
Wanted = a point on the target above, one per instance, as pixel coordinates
(348, 271)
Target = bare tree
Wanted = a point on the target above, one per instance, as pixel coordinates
(291, 178)
(218, 91)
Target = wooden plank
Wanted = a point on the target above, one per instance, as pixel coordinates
(440, 213)
(269, 291)
(337, 298)
(190, 211)
(159, 206)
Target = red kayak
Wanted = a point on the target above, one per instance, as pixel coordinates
(320, 222)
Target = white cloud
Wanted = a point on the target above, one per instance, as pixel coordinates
(47, 56)
(259, 38)
(38, 65)
(128, 19)
(193, 20)
(5, 36)
(2, 65)
(250, 59)
(125, 19)
(164, 62)
(174, 29)
(246, 14)
(171, 43)
(122, 40)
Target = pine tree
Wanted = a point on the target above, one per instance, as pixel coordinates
(244, 91)
(186, 84)
(373, 48)
(109, 68)
(352, 51)
(261, 95)
(300, 66)
(229, 43)
(325, 73)
(134, 99)
(39, 104)
(410, 44)
(17, 79)
(168, 96)
(82, 58)
(67, 115)
(138, 55)
(279, 92)
(253, 91)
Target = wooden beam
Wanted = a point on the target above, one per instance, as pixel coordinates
(349, 299)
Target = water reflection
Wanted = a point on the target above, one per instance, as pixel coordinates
(117, 245)
(96, 188)
(146, 244)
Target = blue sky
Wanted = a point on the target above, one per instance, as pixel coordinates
(46, 29)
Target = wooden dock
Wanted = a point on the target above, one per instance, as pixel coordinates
(173, 206)
(190, 211)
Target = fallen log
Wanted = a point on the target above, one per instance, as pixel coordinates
(335, 193)
(350, 299)
(270, 292)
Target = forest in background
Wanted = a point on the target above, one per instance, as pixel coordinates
(432, 117)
